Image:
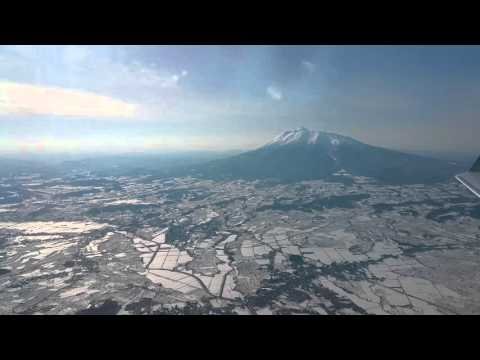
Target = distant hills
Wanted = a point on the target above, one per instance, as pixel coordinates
(294, 155)
(19, 167)
(303, 154)
(140, 164)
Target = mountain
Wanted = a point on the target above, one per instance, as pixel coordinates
(303, 154)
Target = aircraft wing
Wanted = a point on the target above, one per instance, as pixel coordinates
(471, 179)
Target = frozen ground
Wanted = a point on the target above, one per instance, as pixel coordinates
(147, 246)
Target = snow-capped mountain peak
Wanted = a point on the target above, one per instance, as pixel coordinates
(298, 135)
(306, 136)
(302, 154)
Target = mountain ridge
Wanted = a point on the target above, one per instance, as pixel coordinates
(303, 154)
(308, 137)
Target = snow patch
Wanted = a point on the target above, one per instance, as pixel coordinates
(334, 141)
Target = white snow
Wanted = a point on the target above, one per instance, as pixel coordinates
(302, 135)
(127, 202)
(334, 141)
(313, 137)
(294, 136)
(52, 227)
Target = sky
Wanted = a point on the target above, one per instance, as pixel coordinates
(117, 99)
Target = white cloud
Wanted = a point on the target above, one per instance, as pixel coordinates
(308, 66)
(275, 93)
(159, 95)
(172, 81)
(24, 99)
(99, 69)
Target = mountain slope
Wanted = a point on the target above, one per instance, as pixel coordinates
(302, 154)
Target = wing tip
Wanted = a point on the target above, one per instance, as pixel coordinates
(464, 180)
(476, 166)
